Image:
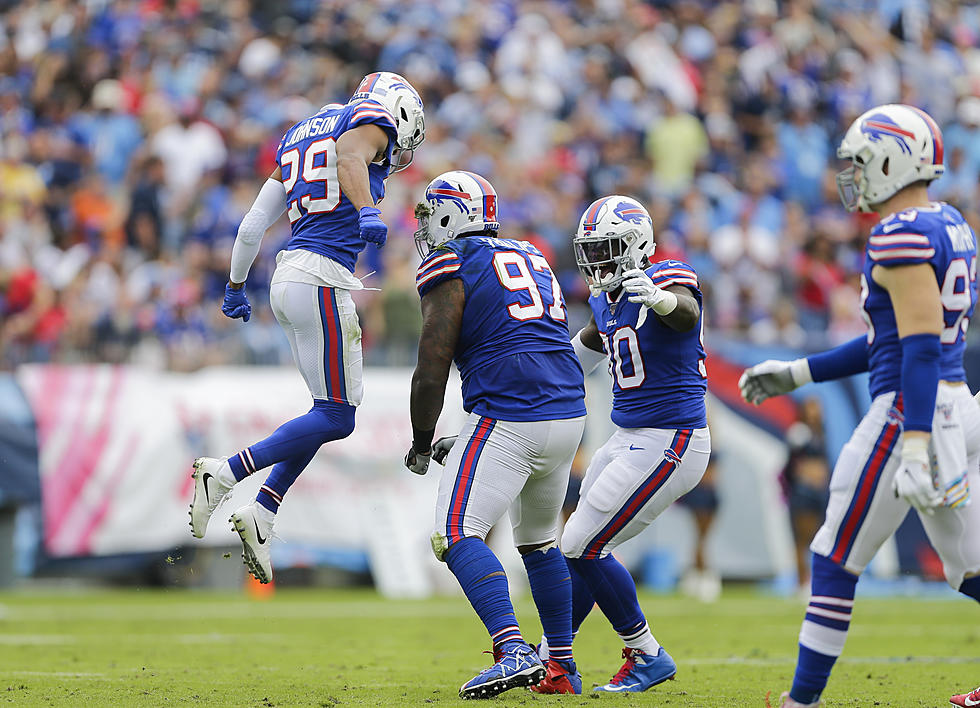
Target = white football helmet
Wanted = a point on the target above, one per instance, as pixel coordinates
(402, 101)
(615, 234)
(891, 147)
(456, 203)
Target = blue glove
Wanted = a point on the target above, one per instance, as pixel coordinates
(235, 304)
(373, 229)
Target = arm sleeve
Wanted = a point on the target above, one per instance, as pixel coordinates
(588, 358)
(920, 378)
(268, 206)
(845, 360)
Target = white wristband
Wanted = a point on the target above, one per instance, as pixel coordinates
(799, 369)
(915, 448)
(666, 305)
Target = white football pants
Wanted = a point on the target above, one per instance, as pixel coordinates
(863, 510)
(637, 474)
(325, 337)
(498, 465)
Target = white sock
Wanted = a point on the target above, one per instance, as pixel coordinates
(643, 640)
(226, 476)
(264, 514)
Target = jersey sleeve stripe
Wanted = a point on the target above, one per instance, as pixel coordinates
(899, 253)
(689, 282)
(898, 238)
(675, 273)
(422, 280)
(444, 259)
(361, 116)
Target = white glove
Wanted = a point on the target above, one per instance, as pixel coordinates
(913, 479)
(773, 378)
(416, 461)
(441, 448)
(647, 293)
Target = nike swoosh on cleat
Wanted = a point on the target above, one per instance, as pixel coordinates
(258, 534)
(970, 702)
(621, 687)
(204, 483)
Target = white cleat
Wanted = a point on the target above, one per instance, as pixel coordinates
(786, 702)
(256, 532)
(208, 493)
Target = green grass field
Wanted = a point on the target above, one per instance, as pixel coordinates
(335, 648)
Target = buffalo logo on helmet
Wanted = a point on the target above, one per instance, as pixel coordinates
(631, 213)
(878, 126)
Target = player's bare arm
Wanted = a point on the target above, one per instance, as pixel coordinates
(442, 316)
(685, 316)
(356, 149)
(915, 298)
(590, 335)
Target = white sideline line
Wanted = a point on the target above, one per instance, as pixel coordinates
(60, 612)
(59, 674)
(15, 639)
(791, 661)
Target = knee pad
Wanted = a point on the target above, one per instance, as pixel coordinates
(440, 544)
(543, 548)
(971, 587)
(339, 418)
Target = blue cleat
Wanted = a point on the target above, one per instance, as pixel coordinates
(640, 672)
(518, 665)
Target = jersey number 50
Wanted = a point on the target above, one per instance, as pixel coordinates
(325, 172)
(514, 273)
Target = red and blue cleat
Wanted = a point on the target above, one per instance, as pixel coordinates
(966, 700)
(640, 672)
(559, 679)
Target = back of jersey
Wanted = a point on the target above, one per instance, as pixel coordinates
(939, 236)
(322, 219)
(513, 353)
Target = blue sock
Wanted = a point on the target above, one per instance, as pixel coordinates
(551, 588)
(971, 587)
(280, 479)
(295, 438)
(582, 600)
(824, 629)
(614, 591)
(483, 580)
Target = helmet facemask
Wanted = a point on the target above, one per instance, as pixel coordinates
(603, 259)
(423, 243)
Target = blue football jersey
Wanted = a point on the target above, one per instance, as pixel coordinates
(322, 219)
(514, 355)
(939, 236)
(659, 374)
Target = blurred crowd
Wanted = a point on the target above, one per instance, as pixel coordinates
(134, 135)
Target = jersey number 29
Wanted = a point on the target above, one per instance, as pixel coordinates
(325, 172)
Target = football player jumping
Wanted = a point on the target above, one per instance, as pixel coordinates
(331, 174)
(919, 443)
(647, 319)
(494, 307)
